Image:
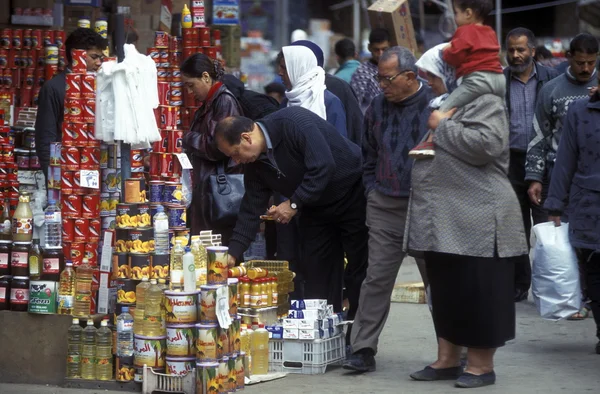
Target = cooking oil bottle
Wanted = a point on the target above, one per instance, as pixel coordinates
(176, 268)
(138, 318)
(66, 290)
(260, 351)
(83, 289)
(104, 357)
(88, 353)
(74, 345)
(199, 252)
(153, 321)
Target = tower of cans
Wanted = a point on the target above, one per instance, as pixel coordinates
(28, 58)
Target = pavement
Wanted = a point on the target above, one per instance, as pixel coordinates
(546, 357)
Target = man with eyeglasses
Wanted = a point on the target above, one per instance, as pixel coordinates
(48, 124)
(395, 122)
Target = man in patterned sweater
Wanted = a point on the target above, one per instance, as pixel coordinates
(553, 103)
(363, 80)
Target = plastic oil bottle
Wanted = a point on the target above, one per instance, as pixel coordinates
(153, 322)
(104, 356)
(83, 289)
(199, 252)
(260, 351)
(66, 290)
(176, 269)
(88, 353)
(74, 348)
(140, 306)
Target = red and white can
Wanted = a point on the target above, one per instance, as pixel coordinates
(161, 40)
(90, 207)
(73, 86)
(71, 158)
(190, 38)
(74, 111)
(163, 93)
(77, 189)
(81, 230)
(166, 165)
(59, 38)
(137, 158)
(168, 118)
(71, 206)
(154, 54)
(175, 141)
(204, 37)
(47, 38)
(88, 86)
(77, 251)
(91, 252)
(66, 182)
(95, 229)
(74, 134)
(68, 229)
(162, 75)
(155, 162)
(78, 61)
(90, 158)
(36, 39)
(89, 111)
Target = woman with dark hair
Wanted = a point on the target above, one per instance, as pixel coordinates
(202, 77)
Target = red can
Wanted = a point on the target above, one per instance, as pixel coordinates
(75, 111)
(175, 141)
(216, 33)
(211, 52)
(166, 165)
(95, 229)
(190, 38)
(78, 61)
(36, 39)
(71, 158)
(3, 58)
(71, 206)
(162, 75)
(82, 230)
(163, 93)
(8, 153)
(91, 134)
(137, 158)
(89, 111)
(91, 253)
(161, 40)
(77, 189)
(90, 158)
(13, 188)
(17, 38)
(154, 54)
(176, 58)
(29, 77)
(6, 38)
(176, 91)
(155, 162)
(204, 37)
(68, 229)
(168, 118)
(67, 184)
(74, 134)
(176, 167)
(77, 251)
(88, 86)
(175, 44)
(73, 86)
(59, 38)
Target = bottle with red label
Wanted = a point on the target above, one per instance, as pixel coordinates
(4, 292)
(35, 260)
(22, 221)
(19, 294)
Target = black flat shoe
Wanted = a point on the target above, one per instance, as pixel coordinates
(598, 348)
(360, 362)
(521, 295)
(429, 374)
(470, 381)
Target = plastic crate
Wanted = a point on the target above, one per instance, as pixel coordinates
(306, 357)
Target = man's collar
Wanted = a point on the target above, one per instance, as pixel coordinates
(266, 135)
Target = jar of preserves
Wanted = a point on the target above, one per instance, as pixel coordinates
(19, 259)
(255, 295)
(275, 292)
(22, 158)
(19, 294)
(5, 247)
(4, 292)
(53, 263)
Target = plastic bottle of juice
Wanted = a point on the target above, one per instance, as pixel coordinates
(153, 322)
(66, 290)
(189, 271)
(260, 351)
(264, 292)
(104, 356)
(176, 269)
(140, 295)
(74, 348)
(88, 353)
(255, 295)
(83, 289)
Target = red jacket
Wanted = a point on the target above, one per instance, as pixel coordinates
(474, 48)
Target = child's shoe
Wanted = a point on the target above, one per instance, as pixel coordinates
(425, 150)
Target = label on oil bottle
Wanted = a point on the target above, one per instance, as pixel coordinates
(65, 301)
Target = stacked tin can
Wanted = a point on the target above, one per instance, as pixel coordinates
(28, 58)
(219, 360)
(9, 171)
(80, 206)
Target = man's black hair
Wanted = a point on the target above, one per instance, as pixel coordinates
(232, 128)
(378, 36)
(541, 52)
(345, 48)
(275, 87)
(520, 32)
(584, 43)
(481, 8)
(82, 38)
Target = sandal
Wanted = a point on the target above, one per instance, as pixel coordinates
(581, 315)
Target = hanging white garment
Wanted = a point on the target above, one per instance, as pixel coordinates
(105, 104)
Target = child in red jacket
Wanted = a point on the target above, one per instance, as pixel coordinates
(474, 53)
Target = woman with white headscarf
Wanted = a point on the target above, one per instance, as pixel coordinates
(305, 84)
(465, 218)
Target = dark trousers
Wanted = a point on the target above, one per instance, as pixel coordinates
(589, 263)
(516, 175)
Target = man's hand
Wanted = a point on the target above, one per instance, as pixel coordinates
(231, 261)
(593, 90)
(436, 117)
(283, 213)
(535, 192)
(555, 219)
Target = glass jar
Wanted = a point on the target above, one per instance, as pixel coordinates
(5, 247)
(19, 259)
(22, 158)
(53, 263)
(5, 292)
(22, 221)
(19, 294)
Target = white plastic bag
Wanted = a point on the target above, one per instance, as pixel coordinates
(555, 281)
(186, 187)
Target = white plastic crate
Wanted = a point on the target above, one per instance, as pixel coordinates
(306, 357)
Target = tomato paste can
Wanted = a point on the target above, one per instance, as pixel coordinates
(89, 110)
(168, 118)
(90, 252)
(190, 37)
(161, 40)
(90, 158)
(17, 38)
(82, 229)
(66, 182)
(211, 52)
(204, 37)
(155, 165)
(6, 38)
(88, 86)
(95, 230)
(90, 206)
(73, 86)
(71, 158)
(156, 191)
(71, 206)
(74, 111)
(78, 61)
(68, 230)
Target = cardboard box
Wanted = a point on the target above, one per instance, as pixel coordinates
(231, 36)
(297, 305)
(275, 332)
(290, 333)
(162, 12)
(309, 324)
(315, 304)
(107, 294)
(291, 323)
(394, 15)
(310, 334)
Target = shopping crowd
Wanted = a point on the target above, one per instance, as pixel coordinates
(450, 158)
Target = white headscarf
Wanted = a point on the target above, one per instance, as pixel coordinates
(307, 79)
(431, 61)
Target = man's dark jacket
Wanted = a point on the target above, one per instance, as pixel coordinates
(544, 74)
(354, 116)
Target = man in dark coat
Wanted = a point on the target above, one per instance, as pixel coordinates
(301, 156)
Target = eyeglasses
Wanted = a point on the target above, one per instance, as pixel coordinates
(388, 80)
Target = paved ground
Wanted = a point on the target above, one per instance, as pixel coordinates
(546, 357)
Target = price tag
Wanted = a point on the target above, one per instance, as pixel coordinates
(186, 164)
(89, 179)
(223, 307)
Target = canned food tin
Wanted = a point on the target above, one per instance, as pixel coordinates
(208, 304)
(91, 206)
(104, 204)
(223, 373)
(95, 230)
(154, 54)
(142, 240)
(82, 229)
(91, 133)
(73, 86)
(183, 307)
(70, 158)
(207, 374)
(232, 283)
(143, 219)
(161, 40)
(179, 366)
(204, 35)
(74, 111)
(113, 202)
(133, 191)
(140, 265)
(111, 180)
(124, 369)
(181, 340)
(103, 156)
(109, 223)
(91, 253)
(77, 251)
(160, 266)
(71, 205)
(77, 189)
(75, 135)
(121, 266)
(206, 343)
(78, 61)
(172, 193)
(166, 165)
(137, 158)
(89, 111)
(68, 230)
(163, 93)
(161, 74)
(127, 215)
(59, 38)
(90, 158)
(156, 191)
(88, 86)
(177, 217)
(150, 351)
